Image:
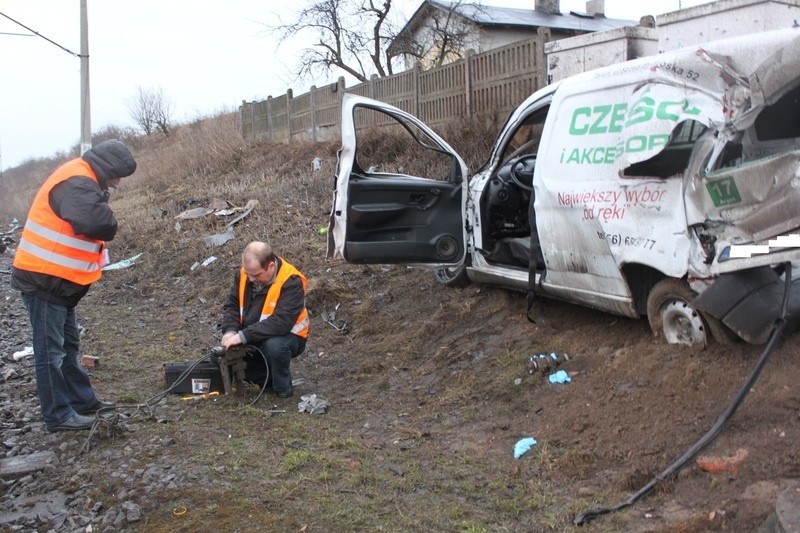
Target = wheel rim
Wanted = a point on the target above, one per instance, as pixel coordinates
(448, 272)
(682, 324)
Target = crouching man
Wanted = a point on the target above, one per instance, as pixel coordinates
(266, 309)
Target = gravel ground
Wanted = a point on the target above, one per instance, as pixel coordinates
(62, 495)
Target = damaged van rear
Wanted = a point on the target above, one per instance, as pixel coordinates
(666, 187)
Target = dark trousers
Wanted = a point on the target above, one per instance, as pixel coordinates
(278, 352)
(61, 382)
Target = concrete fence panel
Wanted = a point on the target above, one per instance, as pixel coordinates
(491, 84)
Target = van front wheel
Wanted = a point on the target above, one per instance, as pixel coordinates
(453, 276)
(671, 315)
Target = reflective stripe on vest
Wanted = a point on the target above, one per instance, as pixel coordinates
(72, 242)
(49, 245)
(286, 271)
(52, 257)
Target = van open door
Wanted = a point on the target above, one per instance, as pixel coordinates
(400, 190)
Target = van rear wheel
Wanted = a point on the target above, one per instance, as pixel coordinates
(671, 315)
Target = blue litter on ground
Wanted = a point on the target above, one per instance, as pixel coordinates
(559, 377)
(522, 446)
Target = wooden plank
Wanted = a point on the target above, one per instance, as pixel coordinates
(22, 465)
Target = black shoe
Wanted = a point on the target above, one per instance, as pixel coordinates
(75, 422)
(288, 393)
(98, 407)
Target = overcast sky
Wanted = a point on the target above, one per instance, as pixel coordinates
(206, 56)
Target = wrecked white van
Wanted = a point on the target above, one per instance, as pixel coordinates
(665, 187)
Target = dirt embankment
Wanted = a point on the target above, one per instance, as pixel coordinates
(428, 386)
(430, 393)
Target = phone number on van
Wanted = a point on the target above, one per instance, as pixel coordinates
(617, 239)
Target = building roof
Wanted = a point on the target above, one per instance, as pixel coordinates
(532, 18)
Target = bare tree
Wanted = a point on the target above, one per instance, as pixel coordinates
(358, 37)
(446, 35)
(449, 35)
(151, 110)
(351, 35)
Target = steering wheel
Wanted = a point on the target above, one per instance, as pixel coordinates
(517, 168)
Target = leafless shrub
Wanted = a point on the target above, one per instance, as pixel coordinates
(151, 110)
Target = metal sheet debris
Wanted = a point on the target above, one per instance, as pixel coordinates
(125, 263)
(218, 239)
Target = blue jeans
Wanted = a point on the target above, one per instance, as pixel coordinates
(62, 383)
(279, 352)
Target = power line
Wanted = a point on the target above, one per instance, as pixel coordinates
(36, 33)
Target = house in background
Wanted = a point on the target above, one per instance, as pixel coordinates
(442, 31)
(668, 31)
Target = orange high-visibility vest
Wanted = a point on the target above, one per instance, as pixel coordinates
(286, 271)
(49, 245)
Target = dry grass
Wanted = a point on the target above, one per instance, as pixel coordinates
(392, 454)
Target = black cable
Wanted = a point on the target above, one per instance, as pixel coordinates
(36, 33)
(113, 421)
(705, 440)
(266, 379)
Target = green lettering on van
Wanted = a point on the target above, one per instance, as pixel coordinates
(573, 127)
(723, 192)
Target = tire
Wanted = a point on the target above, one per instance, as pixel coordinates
(453, 277)
(722, 334)
(672, 316)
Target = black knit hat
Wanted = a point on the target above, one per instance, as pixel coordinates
(110, 160)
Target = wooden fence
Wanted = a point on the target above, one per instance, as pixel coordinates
(491, 83)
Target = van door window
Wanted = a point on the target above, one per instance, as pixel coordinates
(780, 120)
(674, 158)
(388, 145)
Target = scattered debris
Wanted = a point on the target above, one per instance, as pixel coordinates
(90, 361)
(716, 465)
(218, 239)
(5, 236)
(316, 405)
(205, 263)
(329, 317)
(219, 208)
(21, 465)
(196, 212)
(125, 263)
(25, 352)
(544, 363)
(522, 446)
(559, 377)
(246, 210)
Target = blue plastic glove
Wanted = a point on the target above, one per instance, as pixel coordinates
(560, 377)
(522, 446)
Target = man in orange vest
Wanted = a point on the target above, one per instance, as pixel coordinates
(266, 309)
(60, 254)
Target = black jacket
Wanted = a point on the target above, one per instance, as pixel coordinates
(290, 304)
(84, 204)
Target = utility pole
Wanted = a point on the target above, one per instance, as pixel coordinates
(86, 114)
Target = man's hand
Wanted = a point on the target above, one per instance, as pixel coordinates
(230, 339)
